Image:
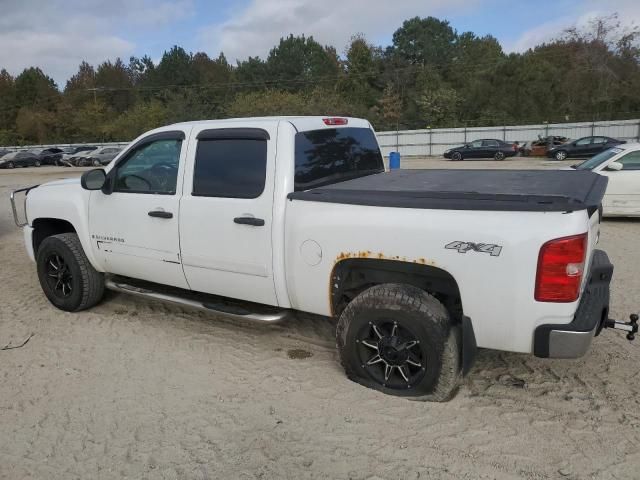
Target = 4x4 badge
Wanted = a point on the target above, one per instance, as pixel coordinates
(464, 247)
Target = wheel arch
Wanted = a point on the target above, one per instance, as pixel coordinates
(351, 276)
(44, 227)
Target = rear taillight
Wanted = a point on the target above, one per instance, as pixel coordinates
(335, 121)
(560, 269)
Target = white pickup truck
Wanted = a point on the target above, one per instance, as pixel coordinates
(261, 217)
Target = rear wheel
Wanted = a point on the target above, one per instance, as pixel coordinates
(499, 156)
(560, 155)
(37, 163)
(67, 278)
(456, 156)
(399, 339)
(96, 163)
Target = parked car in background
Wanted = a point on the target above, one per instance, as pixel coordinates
(484, 148)
(4, 151)
(100, 156)
(583, 147)
(20, 159)
(621, 165)
(48, 156)
(72, 153)
(539, 148)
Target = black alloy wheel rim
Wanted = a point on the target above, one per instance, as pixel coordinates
(390, 354)
(59, 277)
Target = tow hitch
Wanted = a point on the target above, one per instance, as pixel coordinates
(631, 327)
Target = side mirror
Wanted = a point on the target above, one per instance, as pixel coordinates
(93, 179)
(614, 166)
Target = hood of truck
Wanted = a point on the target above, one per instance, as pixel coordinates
(65, 181)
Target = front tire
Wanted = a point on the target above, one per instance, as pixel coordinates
(37, 163)
(560, 155)
(399, 339)
(10, 165)
(456, 156)
(66, 276)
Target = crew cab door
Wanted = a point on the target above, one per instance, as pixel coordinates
(134, 220)
(226, 212)
(623, 190)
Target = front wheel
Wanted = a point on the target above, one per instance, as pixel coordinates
(66, 276)
(37, 163)
(456, 156)
(96, 163)
(399, 339)
(560, 155)
(10, 165)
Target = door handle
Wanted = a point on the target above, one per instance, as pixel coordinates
(256, 222)
(160, 214)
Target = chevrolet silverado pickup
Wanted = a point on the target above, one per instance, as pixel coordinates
(258, 218)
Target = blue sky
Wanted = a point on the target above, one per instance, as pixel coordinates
(57, 34)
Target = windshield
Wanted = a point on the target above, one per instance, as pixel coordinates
(593, 162)
(334, 155)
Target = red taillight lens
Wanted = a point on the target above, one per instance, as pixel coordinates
(335, 121)
(560, 269)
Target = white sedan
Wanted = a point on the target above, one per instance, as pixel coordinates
(622, 165)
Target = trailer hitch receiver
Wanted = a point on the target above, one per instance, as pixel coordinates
(631, 327)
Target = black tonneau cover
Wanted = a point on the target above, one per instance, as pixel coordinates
(497, 190)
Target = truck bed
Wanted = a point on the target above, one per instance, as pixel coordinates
(494, 190)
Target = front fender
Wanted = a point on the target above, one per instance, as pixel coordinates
(64, 200)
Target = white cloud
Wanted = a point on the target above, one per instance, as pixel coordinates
(259, 26)
(628, 11)
(56, 35)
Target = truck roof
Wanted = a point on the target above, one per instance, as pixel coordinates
(301, 123)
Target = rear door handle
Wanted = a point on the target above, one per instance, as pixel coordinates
(160, 214)
(256, 222)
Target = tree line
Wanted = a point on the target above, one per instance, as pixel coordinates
(430, 76)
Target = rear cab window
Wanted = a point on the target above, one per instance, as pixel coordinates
(332, 155)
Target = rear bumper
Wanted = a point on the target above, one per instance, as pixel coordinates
(573, 339)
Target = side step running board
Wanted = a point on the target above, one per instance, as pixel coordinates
(229, 310)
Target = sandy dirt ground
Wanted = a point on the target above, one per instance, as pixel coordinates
(143, 390)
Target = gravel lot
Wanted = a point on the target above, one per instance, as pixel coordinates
(136, 389)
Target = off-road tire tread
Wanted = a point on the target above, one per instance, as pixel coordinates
(408, 297)
(92, 280)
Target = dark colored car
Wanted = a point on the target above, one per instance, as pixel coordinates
(48, 156)
(583, 147)
(484, 148)
(20, 159)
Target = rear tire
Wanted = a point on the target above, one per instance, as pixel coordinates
(375, 334)
(66, 276)
(499, 156)
(37, 163)
(560, 155)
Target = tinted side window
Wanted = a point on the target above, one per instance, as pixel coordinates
(150, 168)
(476, 143)
(231, 168)
(584, 141)
(489, 143)
(599, 140)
